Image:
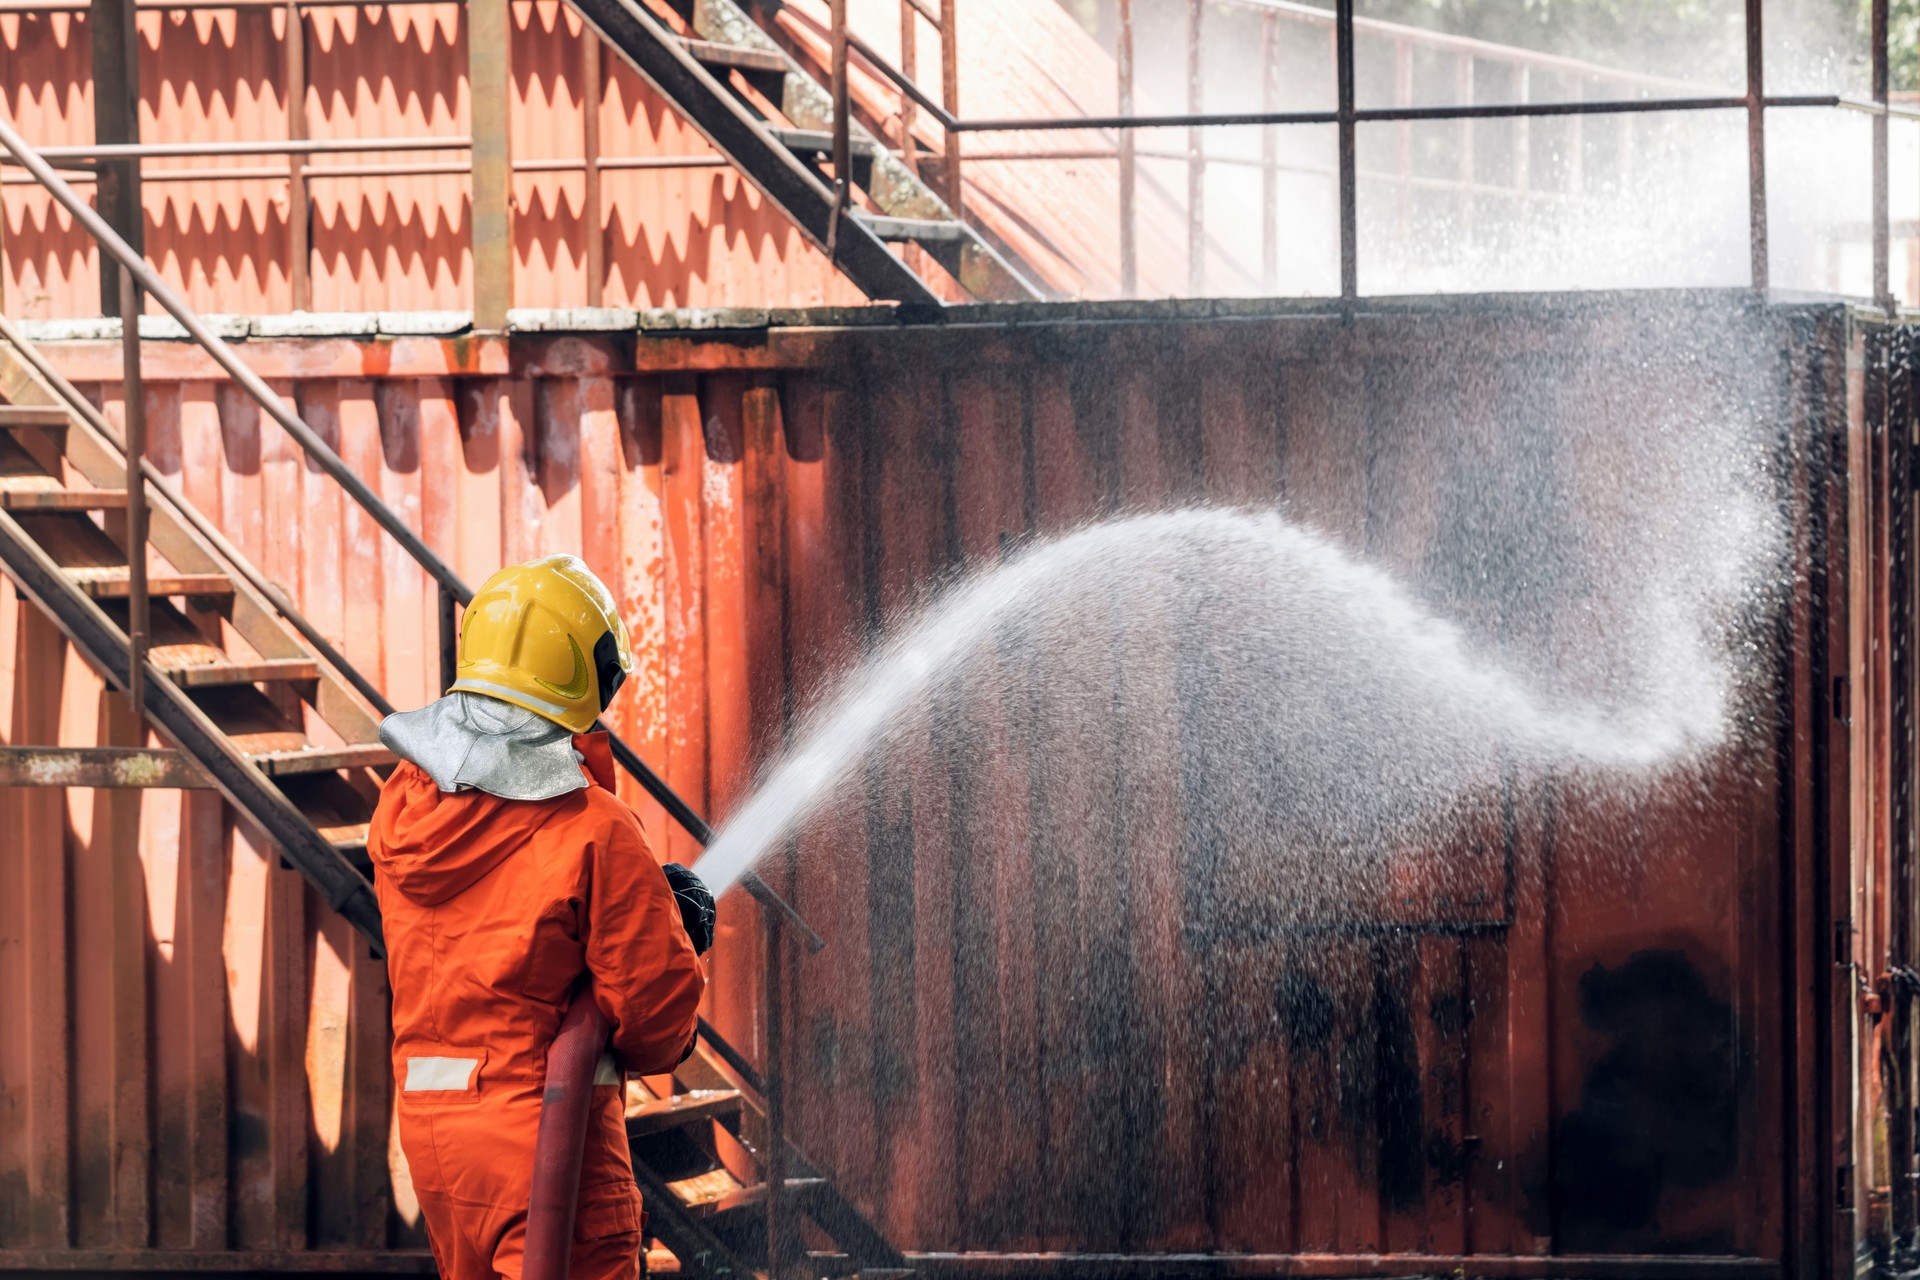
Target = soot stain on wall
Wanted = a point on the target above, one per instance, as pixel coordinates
(1658, 1109)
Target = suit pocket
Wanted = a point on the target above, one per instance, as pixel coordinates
(610, 1209)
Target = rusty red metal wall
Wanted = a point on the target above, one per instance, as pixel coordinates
(684, 237)
(1439, 1079)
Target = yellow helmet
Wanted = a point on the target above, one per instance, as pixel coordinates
(547, 636)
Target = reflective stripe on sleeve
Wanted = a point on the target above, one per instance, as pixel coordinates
(604, 1072)
(427, 1075)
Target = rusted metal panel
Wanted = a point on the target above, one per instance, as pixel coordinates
(98, 767)
(1413, 1086)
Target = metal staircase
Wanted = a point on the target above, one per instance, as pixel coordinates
(718, 1225)
(156, 599)
(722, 80)
(228, 679)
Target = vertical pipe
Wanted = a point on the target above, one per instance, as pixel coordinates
(774, 1091)
(113, 25)
(1129, 244)
(134, 397)
(1403, 138)
(1577, 145)
(1882, 231)
(950, 95)
(1464, 90)
(293, 63)
(490, 93)
(1269, 155)
(449, 639)
(1349, 196)
(590, 200)
(1196, 156)
(1756, 145)
(842, 113)
(910, 68)
(1522, 133)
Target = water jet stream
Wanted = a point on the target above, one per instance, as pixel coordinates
(1362, 707)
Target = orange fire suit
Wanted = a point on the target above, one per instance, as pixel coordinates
(494, 911)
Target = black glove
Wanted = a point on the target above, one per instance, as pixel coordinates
(696, 905)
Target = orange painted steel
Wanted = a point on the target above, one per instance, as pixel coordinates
(203, 1038)
(689, 237)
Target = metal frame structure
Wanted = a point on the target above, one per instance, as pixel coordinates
(115, 163)
(1347, 116)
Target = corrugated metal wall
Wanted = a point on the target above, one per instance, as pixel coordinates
(192, 1053)
(685, 237)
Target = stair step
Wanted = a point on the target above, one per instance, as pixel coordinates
(352, 835)
(819, 1265)
(111, 583)
(357, 755)
(25, 498)
(704, 1189)
(269, 669)
(817, 140)
(711, 54)
(915, 230)
(681, 1110)
(747, 1201)
(32, 415)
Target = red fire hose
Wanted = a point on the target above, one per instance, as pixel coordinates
(566, 1108)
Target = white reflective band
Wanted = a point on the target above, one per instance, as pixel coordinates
(603, 1071)
(467, 684)
(429, 1075)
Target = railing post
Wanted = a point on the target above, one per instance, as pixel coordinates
(115, 38)
(842, 125)
(299, 208)
(910, 68)
(133, 396)
(773, 1090)
(1756, 145)
(1403, 141)
(1349, 198)
(950, 95)
(490, 94)
(1196, 156)
(449, 639)
(1882, 230)
(1129, 248)
(591, 100)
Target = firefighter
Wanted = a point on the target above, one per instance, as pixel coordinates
(511, 880)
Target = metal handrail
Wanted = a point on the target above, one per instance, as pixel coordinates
(190, 514)
(318, 450)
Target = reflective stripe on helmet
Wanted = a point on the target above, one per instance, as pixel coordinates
(467, 684)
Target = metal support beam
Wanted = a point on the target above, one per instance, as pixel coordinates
(1882, 248)
(592, 98)
(1349, 200)
(1196, 155)
(1756, 145)
(116, 120)
(1129, 230)
(134, 411)
(490, 93)
(950, 95)
(293, 64)
(1269, 155)
(99, 767)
